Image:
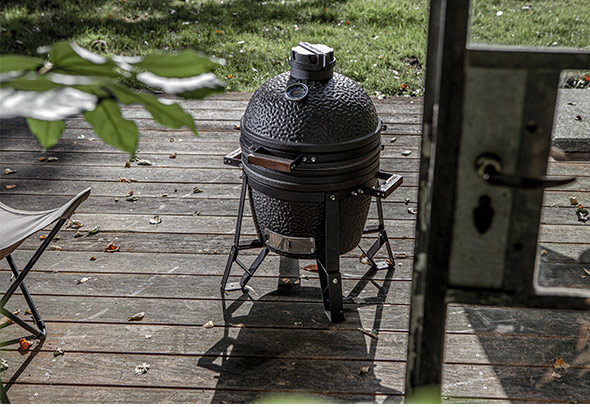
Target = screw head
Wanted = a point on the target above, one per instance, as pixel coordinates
(313, 159)
(304, 159)
(333, 197)
(353, 193)
(335, 281)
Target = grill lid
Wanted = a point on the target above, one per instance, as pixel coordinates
(292, 109)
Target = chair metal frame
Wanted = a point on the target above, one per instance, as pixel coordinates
(39, 331)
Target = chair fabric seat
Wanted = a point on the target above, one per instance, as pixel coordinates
(16, 225)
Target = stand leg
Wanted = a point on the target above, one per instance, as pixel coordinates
(329, 265)
(233, 254)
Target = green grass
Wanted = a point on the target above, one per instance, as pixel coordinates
(379, 43)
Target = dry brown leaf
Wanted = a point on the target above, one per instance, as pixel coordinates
(10, 186)
(24, 345)
(137, 317)
(208, 325)
(127, 164)
(8, 171)
(111, 248)
(559, 363)
(92, 258)
(369, 333)
(310, 267)
(42, 158)
(364, 259)
(173, 155)
(364, 370)
(573, 200)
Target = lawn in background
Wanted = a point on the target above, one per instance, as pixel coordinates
(380, 43)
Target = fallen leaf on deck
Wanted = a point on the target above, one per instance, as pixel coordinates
(58, 352)
(556, 375)
(406, 152)
(141, 369)
(73, 224)
(310, 267)
(92, 258)
(111, 248)
(393, 140)
(583, 214)
(52, 159)
(413, 211)
(24, 345)
(42, 158)
(28, 312)
(543, 252)
(131, 198)
(298, 323)
(164, 195)
(573, 200)
(196, 190)
(94, 230)
(579, 118)
(240, 325)
(559, 363)
(407, 201)
(56, 248)
(144, 162)
(364, 259)
(155, 220)
(364, 370)
(236, 127)
(8, 171)
(208, 325)
(400, 255)
(10, 186)
(587, 271)
(148, 336)
(78, 234)
(83, 280)
(137, 317)
(3, 365)
(369, 333)
(358, 300)
(173, 155)
(127, 164)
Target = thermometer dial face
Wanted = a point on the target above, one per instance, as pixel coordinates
(296, 92)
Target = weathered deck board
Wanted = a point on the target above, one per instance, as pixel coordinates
(268, 340)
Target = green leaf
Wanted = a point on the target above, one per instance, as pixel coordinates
(71, 59)
(52, 105)
(109, 125)
(48, 133)
(95, 89)
(182, 65)
(19, 63)
(195, 87)
(169, 115)
(35, 84)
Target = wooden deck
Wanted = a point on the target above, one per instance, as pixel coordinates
(268, 340)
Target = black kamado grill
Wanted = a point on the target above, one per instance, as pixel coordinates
(309, 150)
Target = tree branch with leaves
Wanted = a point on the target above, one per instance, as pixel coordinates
(72, 80)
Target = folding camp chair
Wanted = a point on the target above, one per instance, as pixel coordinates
(15, 227)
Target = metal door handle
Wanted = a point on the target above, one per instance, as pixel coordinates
(489, 168)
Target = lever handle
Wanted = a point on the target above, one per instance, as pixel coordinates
(489, 168)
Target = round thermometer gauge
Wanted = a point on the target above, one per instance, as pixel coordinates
(296, 92)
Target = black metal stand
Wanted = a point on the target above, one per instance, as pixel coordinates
(39, 331)
(238, 246)
(328, 264)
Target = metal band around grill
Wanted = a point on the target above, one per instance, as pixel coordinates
(290, 244)
(296, 147)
